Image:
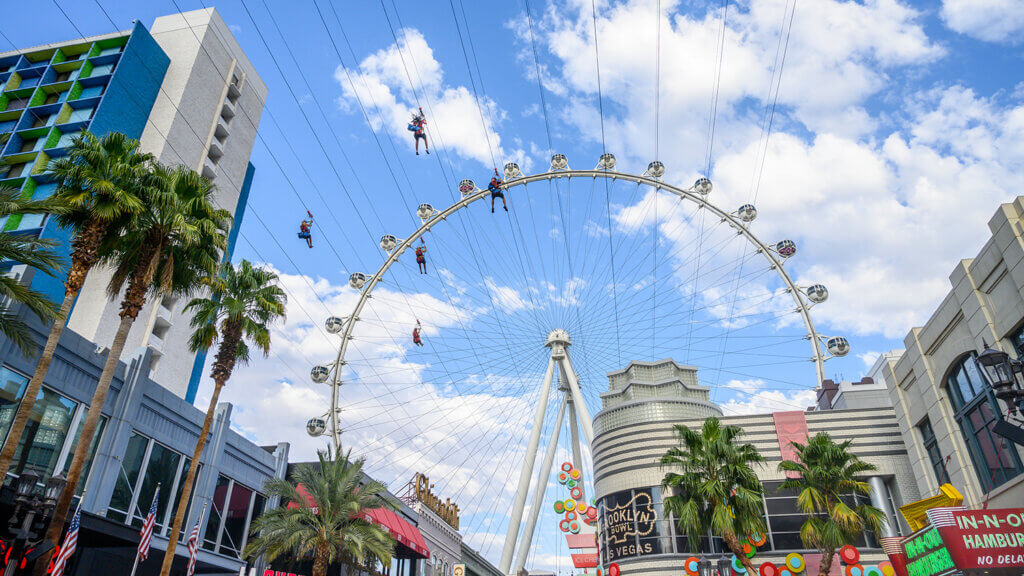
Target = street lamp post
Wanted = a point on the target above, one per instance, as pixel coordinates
(1005, 376)
(34, 511)
(724, 566)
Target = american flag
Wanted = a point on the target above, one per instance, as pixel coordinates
(147, 527)
(193, 547)
(70, 542)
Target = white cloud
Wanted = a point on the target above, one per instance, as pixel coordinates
(869, 358)
(989, 20)
(455, 118)
(767, 401)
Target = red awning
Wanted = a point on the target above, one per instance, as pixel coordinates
(404, 532)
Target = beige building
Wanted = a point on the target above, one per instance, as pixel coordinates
(635, 428)
(945, 410)
(205, 117)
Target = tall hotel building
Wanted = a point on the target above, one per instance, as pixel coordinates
(186, 90)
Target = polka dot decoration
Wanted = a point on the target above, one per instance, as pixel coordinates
(795, 562)
(849, 554)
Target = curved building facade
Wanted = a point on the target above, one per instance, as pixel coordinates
(635, 428)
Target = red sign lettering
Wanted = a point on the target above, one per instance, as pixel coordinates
(981, 539)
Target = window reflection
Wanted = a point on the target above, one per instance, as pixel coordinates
(48, 424)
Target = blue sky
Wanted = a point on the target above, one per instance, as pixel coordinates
(897, 129)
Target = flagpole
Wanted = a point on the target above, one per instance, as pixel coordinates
(199, 522)
(138, 549)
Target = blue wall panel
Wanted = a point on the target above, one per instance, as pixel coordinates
(133, 88)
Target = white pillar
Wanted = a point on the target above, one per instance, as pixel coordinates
(577, 399)
(516, 516)
(577, 454)
(880, 500)
(538, 493)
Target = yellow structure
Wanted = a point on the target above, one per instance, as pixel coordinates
(915, 511)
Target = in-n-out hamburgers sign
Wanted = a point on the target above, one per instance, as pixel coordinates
(971, 541)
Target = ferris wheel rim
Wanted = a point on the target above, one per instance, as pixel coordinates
(397, 247)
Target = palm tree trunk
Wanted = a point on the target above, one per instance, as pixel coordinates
(131, 305)
(83, 257)
(28, 401)
(733, 543)
(320, 561)
(826, 562)
(92, 419)
(186, 491)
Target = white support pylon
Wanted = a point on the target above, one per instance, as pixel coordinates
(538, 492)
(516, 516)
(558, 341)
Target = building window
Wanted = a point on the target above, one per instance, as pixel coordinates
(785, 519)
(46, 434)
(977, 413)
(234, 508)
(1018, 342)
(146, 464)
(931, 446)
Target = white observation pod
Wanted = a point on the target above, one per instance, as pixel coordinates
(786, 248)
(319, 374)
(511, 170)
(466, 187)
(702, 186)
(357, 280)
(388, 242)
(334, 324)
(747, 213)
(559, 162)
(838, 346)
(817, 293)
(656, 169)
(606, 161)
(315, 427)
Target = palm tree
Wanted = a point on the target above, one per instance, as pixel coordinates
(169, 248)
(828, 473)
(99, 183)
(716, 488)
(35, 252)
(243, 302)
(331, 525)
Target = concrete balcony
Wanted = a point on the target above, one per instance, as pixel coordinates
(156, 344)
(227, 110)
(234, 91)
(216, 149)
(210, 168)
(221, 132)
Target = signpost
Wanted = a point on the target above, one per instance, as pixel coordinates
(967, 541)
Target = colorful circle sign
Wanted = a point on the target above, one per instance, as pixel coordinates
(854, 570)
(795, 562)
(570, 515)
(737, 565)
(887, 569)
(575, 474)
(576, 493)
(570, 504)
(769, 569)
(613, 570)
(564, 525)
(691, 565)
(757, 539)
(566, 467)
(559, 507)
(872, 571)
(849, 554)
(563, 477)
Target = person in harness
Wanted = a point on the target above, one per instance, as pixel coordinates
(416, 334)
(416, 126)
(421, 257)
(496, 192)
(304, 230)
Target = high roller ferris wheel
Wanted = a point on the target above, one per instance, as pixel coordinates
(557, 339)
